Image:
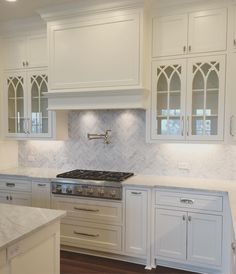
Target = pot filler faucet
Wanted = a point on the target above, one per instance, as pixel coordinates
(106, 137)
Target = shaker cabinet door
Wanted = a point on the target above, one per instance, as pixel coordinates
(170, 35)
(207, 31)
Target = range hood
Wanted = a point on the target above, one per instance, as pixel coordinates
(110, 99)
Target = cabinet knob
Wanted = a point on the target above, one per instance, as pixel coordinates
(189, 48)
(7, 198)
(11, 198)
(23, 64)
(184, 49)
(184, 218)
(189, 218)
(234, 42)
(27, 63)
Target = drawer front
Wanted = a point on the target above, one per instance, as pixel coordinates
(91, 236)
(15, 185)
(95, 211)
(189, 200)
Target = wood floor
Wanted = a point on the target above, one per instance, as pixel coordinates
(72, 263)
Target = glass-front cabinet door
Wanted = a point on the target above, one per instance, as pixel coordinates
(17, 104)
(168, 97)
(39, 116)
(206, 84)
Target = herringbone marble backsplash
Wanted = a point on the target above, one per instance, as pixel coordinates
(128, 150)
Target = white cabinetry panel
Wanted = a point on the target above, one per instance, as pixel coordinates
(95, 53)
(136, 221)
(41, 194)
(170, 233)
(170, 35)
(204, 239)
(207, 31)
(37, 51)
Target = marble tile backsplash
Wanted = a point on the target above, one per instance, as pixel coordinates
(128, 150)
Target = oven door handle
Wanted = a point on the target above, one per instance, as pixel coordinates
(86, 209)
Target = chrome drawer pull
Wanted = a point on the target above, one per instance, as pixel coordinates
(86, 209)
(87, 235)
(186, 201)
(10, 184)
(42, 185)
(136, 193)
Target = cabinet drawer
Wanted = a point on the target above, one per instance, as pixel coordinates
(3, 258)
(90, 210)
(189, 200)
(15, 185)
(91, 236)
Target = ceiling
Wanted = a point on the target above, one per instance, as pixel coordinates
(25, 8)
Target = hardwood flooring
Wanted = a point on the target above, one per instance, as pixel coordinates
(73, 263)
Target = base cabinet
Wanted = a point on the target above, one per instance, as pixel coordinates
(136, 221)
(41, 194)
(170, 234)
(188, 230)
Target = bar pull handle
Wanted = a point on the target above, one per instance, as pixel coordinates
(42, 185)
(86, 209)
(136, 193)
(186, 201)
(188, 121)
(182, 132)
(10, 184)
(231, 126)
(86, 234)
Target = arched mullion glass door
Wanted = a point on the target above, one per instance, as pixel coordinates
(207, 98)
(16, 104)
(39, 113)
(167, 99)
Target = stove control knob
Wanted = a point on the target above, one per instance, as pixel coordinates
(113, 193)
(69, 190)
(58, 189)
(90, 191)
(101, 192)
(79, 190)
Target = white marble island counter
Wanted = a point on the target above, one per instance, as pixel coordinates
(25, 234)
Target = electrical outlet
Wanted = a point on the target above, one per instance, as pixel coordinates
(183, 166)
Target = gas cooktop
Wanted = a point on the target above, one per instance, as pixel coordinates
(110, 176)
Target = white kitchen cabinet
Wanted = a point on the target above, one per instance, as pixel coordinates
(168, 99)
(189, 228)
(16, 198)
(25, 52)
(95, 52)
(206, 98)
(194, 111)
(231, 130)
(26, 106)
(204, 239)
(197, 32)
(41, 194)
(136, 222)
(170, 234)
(170, 35)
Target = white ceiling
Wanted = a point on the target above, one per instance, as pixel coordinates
(25, 8)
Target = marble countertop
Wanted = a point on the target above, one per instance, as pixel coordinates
(226, 186)
(18, 222)
(31, 172)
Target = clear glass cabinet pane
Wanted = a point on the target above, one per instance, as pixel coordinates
(16, 106)
(168, 99)
(205, 98)
(39, 104)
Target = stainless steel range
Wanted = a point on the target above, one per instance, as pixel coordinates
(90, 183)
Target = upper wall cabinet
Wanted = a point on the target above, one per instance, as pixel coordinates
(25, 52)
(95, 52)
(188, 112)
(192, 33)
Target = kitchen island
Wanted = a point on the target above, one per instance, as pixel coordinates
(29, 240)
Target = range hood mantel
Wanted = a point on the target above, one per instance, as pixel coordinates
(110, 99)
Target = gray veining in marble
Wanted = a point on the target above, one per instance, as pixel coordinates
(128, 151)
(17, 222)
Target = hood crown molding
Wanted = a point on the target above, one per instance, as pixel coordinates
(86, 8)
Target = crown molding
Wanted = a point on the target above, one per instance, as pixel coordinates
(87, 7)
